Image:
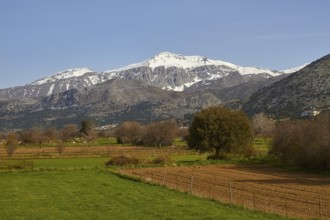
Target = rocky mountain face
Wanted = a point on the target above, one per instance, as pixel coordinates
(165, 86)
(309, 88)
(166, 71)
(114, 101)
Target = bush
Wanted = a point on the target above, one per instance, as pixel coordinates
(161, 160)
(121, 161)
(304, 143)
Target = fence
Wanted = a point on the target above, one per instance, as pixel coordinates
(279, 200)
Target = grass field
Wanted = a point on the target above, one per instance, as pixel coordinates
(98, 194)
(83, 188)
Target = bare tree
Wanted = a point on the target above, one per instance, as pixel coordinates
(263, 127)
(11, 143)
(304, 143)
(160, 133)
(107, 132)
(90, 138)
(69, 132)
(129, 132)
(50, 134)
(60, 147)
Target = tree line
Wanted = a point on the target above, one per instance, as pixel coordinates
(304, 142)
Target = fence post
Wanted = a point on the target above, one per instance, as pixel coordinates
(191, 184)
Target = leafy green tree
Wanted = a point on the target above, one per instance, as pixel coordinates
(220, 130)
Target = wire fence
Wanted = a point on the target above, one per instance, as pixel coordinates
(286, 202)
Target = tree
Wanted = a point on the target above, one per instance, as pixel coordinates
(50, 134)
(220, 130)
(86, 127)
(69, 132)
(263, 127)
(90, 138)
(160, 133)
(129, 132)
(60, 147)
(107, 132)
(304, 143)
(38, 136)
(11, 143)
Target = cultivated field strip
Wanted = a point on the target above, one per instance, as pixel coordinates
(252, 186)
(94, 151)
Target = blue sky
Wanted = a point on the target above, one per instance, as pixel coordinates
(41, 37)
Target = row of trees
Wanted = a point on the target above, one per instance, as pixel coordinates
(155, 134)
(213, 129)
(301, 142)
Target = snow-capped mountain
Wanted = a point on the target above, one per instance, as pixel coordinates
(69, 73)
(177, 72)
(166, 70)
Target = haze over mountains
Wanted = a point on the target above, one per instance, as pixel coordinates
(166, 86)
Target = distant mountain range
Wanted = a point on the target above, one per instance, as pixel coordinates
(166, 71)
(166, 86)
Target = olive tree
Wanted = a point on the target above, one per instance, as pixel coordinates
(220, 130)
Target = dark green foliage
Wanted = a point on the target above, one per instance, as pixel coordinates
(86, 127)
(305, 143)
(221, 130)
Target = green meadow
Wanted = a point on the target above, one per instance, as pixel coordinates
(95, 193)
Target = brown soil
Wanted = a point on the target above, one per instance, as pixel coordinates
(258, 187)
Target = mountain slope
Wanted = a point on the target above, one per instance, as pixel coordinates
(289, 97)
(113, 101)
(166, 70)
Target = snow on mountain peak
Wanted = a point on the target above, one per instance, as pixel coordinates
(168, 59)
(294, 69)
(69, 73)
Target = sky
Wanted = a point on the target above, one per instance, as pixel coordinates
(41, 37)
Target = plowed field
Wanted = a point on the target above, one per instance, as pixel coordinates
(258, 187)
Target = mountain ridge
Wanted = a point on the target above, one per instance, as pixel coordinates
(165, 70)
(308, 88)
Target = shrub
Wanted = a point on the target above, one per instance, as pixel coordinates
(304, 143)
(161, 160)
(121, 161)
